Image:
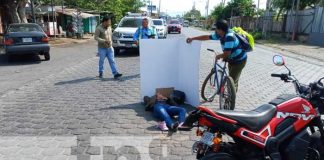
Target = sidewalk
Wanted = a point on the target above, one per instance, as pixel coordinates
(297, 48)
(63, 41)
(302, 49)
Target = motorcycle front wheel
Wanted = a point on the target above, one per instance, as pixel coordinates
(316, 148)
(218, 156)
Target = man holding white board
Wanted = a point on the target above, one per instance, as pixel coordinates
(232, 53)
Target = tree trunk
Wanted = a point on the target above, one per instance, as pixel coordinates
(22, 10)
(13, 11)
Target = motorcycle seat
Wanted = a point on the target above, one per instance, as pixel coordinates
(253, 120)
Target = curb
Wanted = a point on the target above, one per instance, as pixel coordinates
(70, 42)
(281, 50)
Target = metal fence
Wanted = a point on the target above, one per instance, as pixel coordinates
(303, 22)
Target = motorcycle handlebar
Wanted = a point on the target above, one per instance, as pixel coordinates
(210, 50)
(284, 77)
(276, 75)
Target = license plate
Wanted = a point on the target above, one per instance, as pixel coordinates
(27, 40)
(128, 45)
(207, 138)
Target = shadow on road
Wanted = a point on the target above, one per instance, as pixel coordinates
(139, 108)
(81, 80)
(77, 80)
(127, 53)
(15, 60)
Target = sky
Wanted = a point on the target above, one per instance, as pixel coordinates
(179, 7)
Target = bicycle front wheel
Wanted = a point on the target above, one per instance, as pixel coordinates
(209, 88)
(227, 94)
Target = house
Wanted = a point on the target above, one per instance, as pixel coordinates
(69, 15)
(63, 19)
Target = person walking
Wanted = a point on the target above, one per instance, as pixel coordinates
(103, 35)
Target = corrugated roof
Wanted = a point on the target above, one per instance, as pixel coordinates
(73, 12)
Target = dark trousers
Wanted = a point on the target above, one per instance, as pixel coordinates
(235, 71)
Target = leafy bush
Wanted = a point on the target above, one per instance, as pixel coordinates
(257, 35)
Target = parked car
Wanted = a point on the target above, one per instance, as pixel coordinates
(26, 38)
(161, 28)
(174, 26)
(186, 24)
(125, 30)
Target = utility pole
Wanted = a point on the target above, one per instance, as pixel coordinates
(159, 7)
(53, 18)
(62, 6)
(295, 25)
(207, 8)
(32, 10)
(266, 19)
(151, 8)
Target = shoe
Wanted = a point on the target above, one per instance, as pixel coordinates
(162, 126)
(100, 75)
(117, 75)
(174, 127)
(146, 100)
(181, 127)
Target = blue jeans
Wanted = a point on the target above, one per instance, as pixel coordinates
(164, 112)
(109, 53)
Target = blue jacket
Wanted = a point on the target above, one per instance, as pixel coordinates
(144, 33)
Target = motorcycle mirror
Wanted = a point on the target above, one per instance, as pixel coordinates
(278, 60)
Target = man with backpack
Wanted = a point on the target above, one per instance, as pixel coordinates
(233, 52)
(144, 32)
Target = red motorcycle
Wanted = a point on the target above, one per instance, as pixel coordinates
(287, 128)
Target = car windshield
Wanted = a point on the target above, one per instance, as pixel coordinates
(135, 22)
(157, 22)
(24, 28)
(174, 22)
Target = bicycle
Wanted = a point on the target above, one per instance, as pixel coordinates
(221, 84)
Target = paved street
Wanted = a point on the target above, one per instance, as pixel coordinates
(60, 110)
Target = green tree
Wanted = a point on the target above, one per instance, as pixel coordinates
(117, 7)
(234, 8)
(217, 12)
(16, 10)
(285, 5)
(193, 13)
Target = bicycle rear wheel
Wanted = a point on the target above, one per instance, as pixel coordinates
(209, 87)
(227, 94)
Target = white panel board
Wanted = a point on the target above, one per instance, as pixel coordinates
(170, 63)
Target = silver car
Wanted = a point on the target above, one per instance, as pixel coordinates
(161, 28)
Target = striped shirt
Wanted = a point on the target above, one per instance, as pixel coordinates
(232, 44)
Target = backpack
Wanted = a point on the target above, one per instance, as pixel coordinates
(246, 39)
